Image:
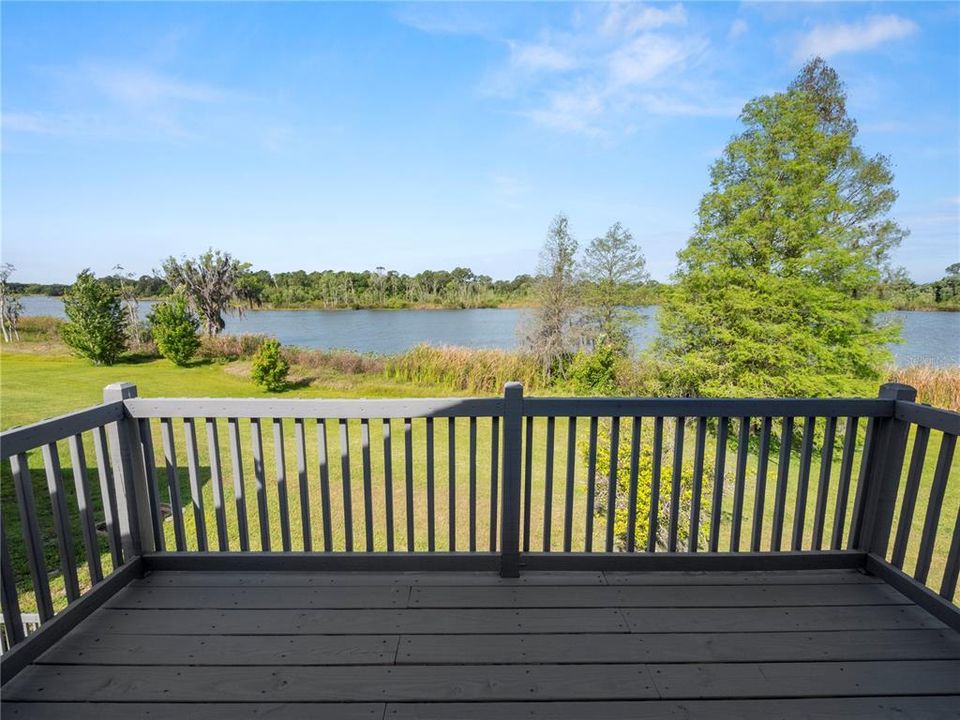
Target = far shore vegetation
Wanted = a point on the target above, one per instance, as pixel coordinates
(461, 288)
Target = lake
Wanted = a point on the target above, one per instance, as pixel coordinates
(929, 337)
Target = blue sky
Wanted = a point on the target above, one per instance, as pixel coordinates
(349, 136)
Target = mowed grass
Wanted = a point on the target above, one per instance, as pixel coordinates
(34, 386)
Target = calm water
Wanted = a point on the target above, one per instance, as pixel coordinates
(929, 337)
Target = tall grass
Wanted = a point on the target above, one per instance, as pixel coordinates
(479, 371)
(229, 347)
(39, 328)
(938, 386)
(347, 362)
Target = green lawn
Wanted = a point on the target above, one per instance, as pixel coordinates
(34, 386)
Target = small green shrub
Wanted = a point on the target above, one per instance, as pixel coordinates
(594, 373)
(270, 368)
(175, 330)
(96, 326)
(644, 486)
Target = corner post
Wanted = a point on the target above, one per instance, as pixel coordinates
(133, 497)
(510, 497)
(888, 448)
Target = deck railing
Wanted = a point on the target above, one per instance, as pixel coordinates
(508, 482)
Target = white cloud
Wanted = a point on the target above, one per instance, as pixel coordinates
(540, 57)
(141, 86)
(646, 58)
(31, 122)
(600, 72)
(575, 110)
(66, 124)
(737, 28)
(594, 75)
(122, 101)
(631, 18)
(830, 40)
(444, 18)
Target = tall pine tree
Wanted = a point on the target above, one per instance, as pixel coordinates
(772, 294)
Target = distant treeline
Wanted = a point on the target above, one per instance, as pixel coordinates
(904, 294)
(380, 288)
(461, 287)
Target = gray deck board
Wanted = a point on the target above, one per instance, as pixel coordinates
(696, 645)
(92, 648)
(187, 578)
(899, 708)
(684, 648)
(260, 597)
(765, 577)
(732, 680)
(192, 711)
(312, 684)
(377, 622)
(778, 619)
(659, 596)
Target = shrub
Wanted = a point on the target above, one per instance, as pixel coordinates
(644, 484)
(175, 330)
(96, 323)
(270, 368)
(594, 373)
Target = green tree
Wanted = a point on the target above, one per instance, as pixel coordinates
(270, 367)
(96, 321)
(612, 265)
(213, 283)
(10, 305)
(552, 334)
(773, 294)
(175, 329)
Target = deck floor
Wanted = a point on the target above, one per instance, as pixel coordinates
(788, 644)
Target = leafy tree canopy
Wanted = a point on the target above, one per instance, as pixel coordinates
(772, 294)
(175, 329)
(96, 321)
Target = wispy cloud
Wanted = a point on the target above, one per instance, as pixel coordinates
(122, 101)
(445, 18)
(541, 56)
(831, 40)
(630, 18)
(594, 74)
(141, 87)
(737, 28)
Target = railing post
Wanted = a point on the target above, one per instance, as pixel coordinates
(133, 497)
(510, 497)
(888, 447)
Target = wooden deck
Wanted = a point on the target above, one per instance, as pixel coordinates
(777, 644)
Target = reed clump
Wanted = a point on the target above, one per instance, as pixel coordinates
(467, 369)
(230, 347)
(347, 362)
(937, 386)
(39, 328)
